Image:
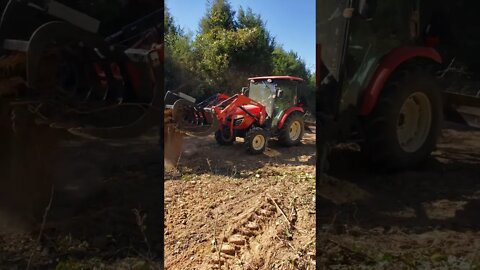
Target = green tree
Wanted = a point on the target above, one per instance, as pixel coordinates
(219, 15)
(170, 26)
(215, 52)
(256, 59)
(288, 63)
(248, 19)
(310, 93)
(179, 71)
(227, 50)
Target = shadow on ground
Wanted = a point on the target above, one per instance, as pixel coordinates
(204, 155)
(443, 194)
(102, 190)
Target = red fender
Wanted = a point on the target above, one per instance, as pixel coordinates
(387, 66)
(287, 113)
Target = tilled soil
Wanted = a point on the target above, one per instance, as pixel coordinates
(420, 219)
(226, 209)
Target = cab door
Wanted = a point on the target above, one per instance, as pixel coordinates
(333, 17)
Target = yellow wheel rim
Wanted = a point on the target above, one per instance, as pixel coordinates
(414, 122)
(258, 142)
(295, 130)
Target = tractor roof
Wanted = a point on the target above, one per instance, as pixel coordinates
(291, 78)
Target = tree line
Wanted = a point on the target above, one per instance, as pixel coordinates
(229, 47)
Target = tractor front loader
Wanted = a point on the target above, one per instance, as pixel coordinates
(64, 74)
(72, 77)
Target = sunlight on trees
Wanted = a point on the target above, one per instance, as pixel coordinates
(230, 47)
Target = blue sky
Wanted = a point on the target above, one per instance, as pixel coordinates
(291, 22)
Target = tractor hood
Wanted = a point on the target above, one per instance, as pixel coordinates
(253, 109)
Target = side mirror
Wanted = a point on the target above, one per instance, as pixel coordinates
(366, 9)
(244, 90)
(279, 93)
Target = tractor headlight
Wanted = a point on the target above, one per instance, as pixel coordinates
(238, 120)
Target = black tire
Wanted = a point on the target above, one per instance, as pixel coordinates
(251, 140)
(284, 134)
(382, 146)
(222, 139)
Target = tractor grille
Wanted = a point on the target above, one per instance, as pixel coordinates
(238, 121)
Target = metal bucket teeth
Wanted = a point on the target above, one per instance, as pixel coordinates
(194, 121)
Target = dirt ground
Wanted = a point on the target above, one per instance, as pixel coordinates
(258, 211)
(106, 203)
(423, 219)
(226, 209)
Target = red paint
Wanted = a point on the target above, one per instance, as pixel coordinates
(99, 71)
(389, 63)
(287, 113)
(231, 110)
(246, 123)
(102, 77)
(117, 75)
(222, 97)
(134, 77)
(277, 78)
(253, 109)
(432, 41)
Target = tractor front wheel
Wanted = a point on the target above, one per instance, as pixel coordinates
(292, 130)
(403, 129)
(256, 140)
(222, 137)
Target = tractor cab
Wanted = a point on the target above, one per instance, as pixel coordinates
(276, 93)
(384, 68)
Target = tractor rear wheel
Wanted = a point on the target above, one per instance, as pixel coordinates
(256, 140)
(222, 138)
(292, 130)
(404, 127)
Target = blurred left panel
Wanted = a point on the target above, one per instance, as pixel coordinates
(81, 159)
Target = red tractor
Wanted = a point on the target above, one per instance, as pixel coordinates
(269, 107)
(79, 74)
(391, 72)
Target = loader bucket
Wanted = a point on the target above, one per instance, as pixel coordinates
(188, 117)
(173, 141)
(180, 119)
(193, 120)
